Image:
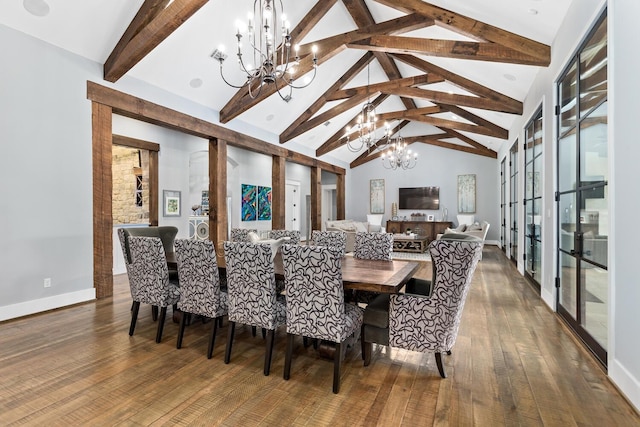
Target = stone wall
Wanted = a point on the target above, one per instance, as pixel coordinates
(127, 164)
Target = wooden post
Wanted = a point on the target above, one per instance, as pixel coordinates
(278, 209)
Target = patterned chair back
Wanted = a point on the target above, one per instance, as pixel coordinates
(336, 239)
(251, 285)
(123, 245)
(378, 246)
(293, 235)
(148, 269)
(241, 234)
(315, 295)
(435, 320)
(199, 278)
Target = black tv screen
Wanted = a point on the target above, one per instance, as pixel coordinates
(419, 198)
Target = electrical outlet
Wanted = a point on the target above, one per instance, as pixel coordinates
(47, 282)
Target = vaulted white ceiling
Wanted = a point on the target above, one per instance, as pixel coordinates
(182, 63)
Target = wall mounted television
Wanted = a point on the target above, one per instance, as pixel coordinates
(419, 198)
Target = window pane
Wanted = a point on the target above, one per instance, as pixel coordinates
(594, 221)
(529, 179)
(593, 70)
(568, 289)
(537, 135)
(567, 163)
(594, 162)
(537, 177)
(594, 295)
(567, 93)
(537, 219)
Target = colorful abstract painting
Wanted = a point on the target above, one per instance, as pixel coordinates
(264, 203)
(249, 202)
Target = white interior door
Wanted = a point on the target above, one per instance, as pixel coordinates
(292, 205)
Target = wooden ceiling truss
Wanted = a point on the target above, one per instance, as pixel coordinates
(382, 42)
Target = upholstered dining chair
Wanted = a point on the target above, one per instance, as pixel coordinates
(252, 293)
(315, 301)
(377, 246)
(336, 239)
(293, 235)
(151, 277)
(200, 292)
(426, 323)
(241, 234)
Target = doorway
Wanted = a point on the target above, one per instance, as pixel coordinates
(292, 205)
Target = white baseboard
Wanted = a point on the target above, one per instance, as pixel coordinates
(624, 381)
(37, 306)
(491, 242)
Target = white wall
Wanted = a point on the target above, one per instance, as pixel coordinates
(45, 176)
(624, 89)
(438, 167)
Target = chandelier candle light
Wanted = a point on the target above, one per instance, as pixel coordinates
(399, 156)
(365, 127)
(270, 47)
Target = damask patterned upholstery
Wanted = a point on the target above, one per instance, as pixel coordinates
(252, 293)
(376, 246)
(241, 234)
(293, 235)
(315, 301)
(148, 270)
(430, 323)
(199, 285)
(336, 239)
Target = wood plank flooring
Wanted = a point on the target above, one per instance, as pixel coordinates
(514, 363)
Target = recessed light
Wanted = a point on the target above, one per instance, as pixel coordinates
(327, 123)
(195, 83)
(36, 7)
(270, 117)
(509, 77)
(533, 11)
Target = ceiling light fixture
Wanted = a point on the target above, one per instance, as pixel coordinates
(399, 156)
(38, 8)
(269, 44)
(365, 127)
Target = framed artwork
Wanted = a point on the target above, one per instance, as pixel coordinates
(170, 203)
(249, 203)
(466, 193)
(376, 196)
(264, 203)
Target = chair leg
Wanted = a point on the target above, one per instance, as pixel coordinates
(253, 331)
(163, 315)
(134, 316)
(287, 357)
(268, 351)
(154, 312)
(367, 353)
(264, 333)
(227, 352)
(183, 323)
(440, 367)
(362, 346)
(337, 362)
(449, 353)
(212, 338)
(220, 321)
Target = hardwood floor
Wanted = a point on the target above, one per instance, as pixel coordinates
(514, 363)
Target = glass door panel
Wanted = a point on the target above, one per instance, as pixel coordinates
(567, 151)
(594, 298)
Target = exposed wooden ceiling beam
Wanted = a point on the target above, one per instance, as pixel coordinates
(473, 28)
(451, 99)
(461, 82)
(454, 124)
(152, 24)
(385, 86)
(467, 115)
(446, 48)
(292, 131)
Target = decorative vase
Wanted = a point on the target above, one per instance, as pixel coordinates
(445, 214)
(394, 209)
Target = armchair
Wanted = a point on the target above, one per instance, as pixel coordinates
(426, 323)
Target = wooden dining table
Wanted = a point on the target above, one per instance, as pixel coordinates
(358, 274)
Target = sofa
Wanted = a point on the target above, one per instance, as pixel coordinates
(351, 227)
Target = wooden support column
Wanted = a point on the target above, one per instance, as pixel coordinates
(218, 215)
(278, 181)
(340, 197)
(316, 198)
(101, 120)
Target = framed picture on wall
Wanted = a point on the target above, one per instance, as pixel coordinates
(376, 196)
(170, 203)
(466, 193)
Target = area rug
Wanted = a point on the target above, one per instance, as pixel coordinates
(412, 256)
